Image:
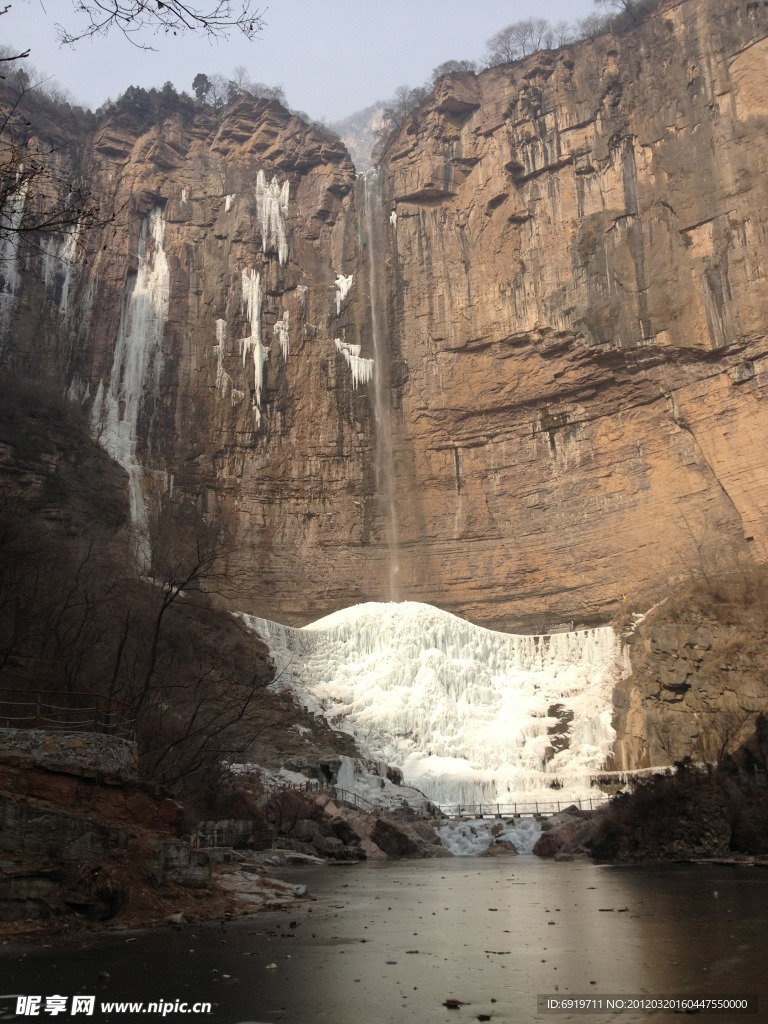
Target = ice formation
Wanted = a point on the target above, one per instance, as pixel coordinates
(228, 200)
(271, 205)
(281, 331)
(464, 712)
(79, 390)
(136, 368)
(254, 345)
(393, 219)
(183, 195)
(343, 284)
(469, 838)
(11, 216)
(362, 369)
(57, 262)
(224, 383)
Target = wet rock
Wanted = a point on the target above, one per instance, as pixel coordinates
(501, 848)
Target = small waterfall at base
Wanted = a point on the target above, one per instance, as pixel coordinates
(385, 470)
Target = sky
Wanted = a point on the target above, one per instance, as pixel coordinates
(332, 57)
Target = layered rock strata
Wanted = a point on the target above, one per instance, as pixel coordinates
(574, 254)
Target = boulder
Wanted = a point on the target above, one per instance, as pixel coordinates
(329, 846)
(398, 840)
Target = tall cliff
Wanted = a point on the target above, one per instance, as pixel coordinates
(579, 265)
(567, 260)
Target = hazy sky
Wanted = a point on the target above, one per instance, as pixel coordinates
(332, 57)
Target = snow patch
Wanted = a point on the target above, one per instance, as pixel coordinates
(362, 369)
(464, 712)
(228, 200)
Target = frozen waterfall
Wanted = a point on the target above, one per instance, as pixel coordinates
(136, 368)
(470, 715)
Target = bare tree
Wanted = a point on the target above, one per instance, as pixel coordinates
(214, 18)
(452, 67)
(518, 40)
(631, 8)
(402, 105)
(726, 731)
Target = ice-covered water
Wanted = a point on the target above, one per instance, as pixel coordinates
(467, 713)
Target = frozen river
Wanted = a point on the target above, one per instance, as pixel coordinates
(392, 943)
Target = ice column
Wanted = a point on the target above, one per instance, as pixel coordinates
(11, 216)
(271, 205)
(280, 330)
(253, 345)
(137, 363)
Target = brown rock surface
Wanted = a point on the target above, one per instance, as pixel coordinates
(699, 669)
(577, 268)
(575, 328)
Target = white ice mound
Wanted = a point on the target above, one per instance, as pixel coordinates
(467, 713)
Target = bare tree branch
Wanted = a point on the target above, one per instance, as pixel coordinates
(216, 19)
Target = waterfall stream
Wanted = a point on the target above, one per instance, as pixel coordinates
(385, 469)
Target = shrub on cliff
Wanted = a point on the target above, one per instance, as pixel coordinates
(695, 813)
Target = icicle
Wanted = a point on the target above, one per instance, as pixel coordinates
(393, 219)
(228, 200)
(362, 369)
(271, 205)
(343, 284)
(467, 713)
(253, 345)
(183, 195)
(136, 367)
(281, 330)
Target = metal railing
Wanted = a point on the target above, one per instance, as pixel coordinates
(518, 809)
(73, 712)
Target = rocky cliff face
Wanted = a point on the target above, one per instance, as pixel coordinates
(578, 262)
(698, 681)
(572, 253)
